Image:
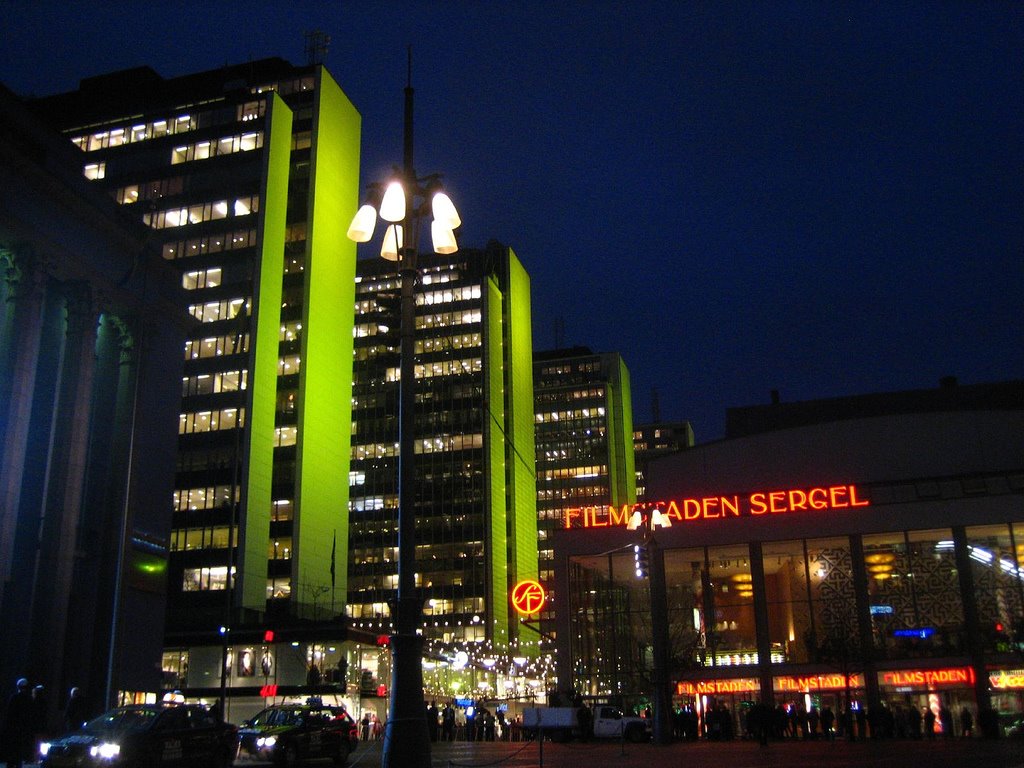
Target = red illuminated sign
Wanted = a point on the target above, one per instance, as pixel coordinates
(269, 691)
(818, 499)
(929, 677)
(528, 597)
(715, 687)
(806, 684)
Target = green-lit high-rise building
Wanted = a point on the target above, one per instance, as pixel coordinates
(244, 175)
(476, 519)
(585, 454)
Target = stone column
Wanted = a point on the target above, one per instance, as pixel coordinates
(66, 469)
(22, 332)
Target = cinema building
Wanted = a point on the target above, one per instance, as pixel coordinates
(869, 547)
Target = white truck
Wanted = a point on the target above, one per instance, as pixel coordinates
(562, 723)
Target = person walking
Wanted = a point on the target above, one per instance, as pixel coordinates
(76, 711)
(19, 726)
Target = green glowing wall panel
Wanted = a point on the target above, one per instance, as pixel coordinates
(520, 430)
(265, 320)
(497, 550)
(621, 453)
(320, 537)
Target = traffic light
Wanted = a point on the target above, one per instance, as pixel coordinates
(641, 561)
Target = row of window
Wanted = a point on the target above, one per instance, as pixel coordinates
(578, 413)
(212, 311)
(202, 278)
(115, 137)
(213, 383)
(215, 243)
(210, 497)
(447, 296)
(215, 346)
(227, 145)
(200, 212)
(211, 421)
(563, 473)
(150, 190)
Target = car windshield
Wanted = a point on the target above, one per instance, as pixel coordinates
(122, 720)
(276, 717)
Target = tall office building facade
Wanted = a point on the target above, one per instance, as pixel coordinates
(244, 176)
(475, 508)
(584, 437)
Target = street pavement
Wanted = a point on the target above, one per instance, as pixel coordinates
(972, 753)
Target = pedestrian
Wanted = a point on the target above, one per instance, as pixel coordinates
(76, 711)
(448, 722)
(966, 723)
(19, 726)
(929, 723)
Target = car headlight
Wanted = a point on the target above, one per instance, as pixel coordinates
(267, 741)
(105, 751)
(44, 748)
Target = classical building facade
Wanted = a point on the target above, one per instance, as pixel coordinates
(90, 343)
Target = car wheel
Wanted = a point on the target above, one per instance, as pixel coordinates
(341, 756)
(287, 756)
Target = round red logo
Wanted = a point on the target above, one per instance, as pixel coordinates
(528, 597)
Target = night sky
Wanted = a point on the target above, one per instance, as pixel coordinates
(822, 198)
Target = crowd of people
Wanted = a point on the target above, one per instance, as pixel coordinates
(24, 721)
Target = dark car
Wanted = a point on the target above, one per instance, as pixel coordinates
(145, 736)
(290, 733)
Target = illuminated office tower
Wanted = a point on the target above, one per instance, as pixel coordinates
(584, 438)
(244, 176)
(476, 520)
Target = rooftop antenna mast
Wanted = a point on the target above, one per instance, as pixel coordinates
(317, 43)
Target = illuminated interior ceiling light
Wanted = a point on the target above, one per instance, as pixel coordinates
(742, 577)
(635, 521)
(879, 557)
(392, 207)
(363, 223)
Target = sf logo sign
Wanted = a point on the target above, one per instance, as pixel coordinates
(528, 597)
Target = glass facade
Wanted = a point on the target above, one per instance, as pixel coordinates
(469, 519)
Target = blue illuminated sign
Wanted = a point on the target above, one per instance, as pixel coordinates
(922, 632)
(881, 610)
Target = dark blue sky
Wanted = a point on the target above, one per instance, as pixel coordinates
(823, 198)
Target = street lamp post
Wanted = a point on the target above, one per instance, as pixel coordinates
(660, 682)
(404, 202)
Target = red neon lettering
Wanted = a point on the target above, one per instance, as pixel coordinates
(691, 509)
(797, 500)
(854, 501)
(569, 515)
(731, 505)
(594, 522)
(837, 495)
(757, 505)
(619, 518)
(776, 499)
(708, 504)
(817, 498)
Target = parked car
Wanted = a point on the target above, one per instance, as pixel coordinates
(146, 736)
(290, 733)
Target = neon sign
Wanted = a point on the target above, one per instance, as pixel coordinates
(715, 687)
(691, 510)
(829, 682)
(1004, 679)
(947, 676)
(528, 597)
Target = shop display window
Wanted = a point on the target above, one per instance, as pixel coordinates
(994, 551)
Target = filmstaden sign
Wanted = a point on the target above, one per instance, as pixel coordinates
(695, 510)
